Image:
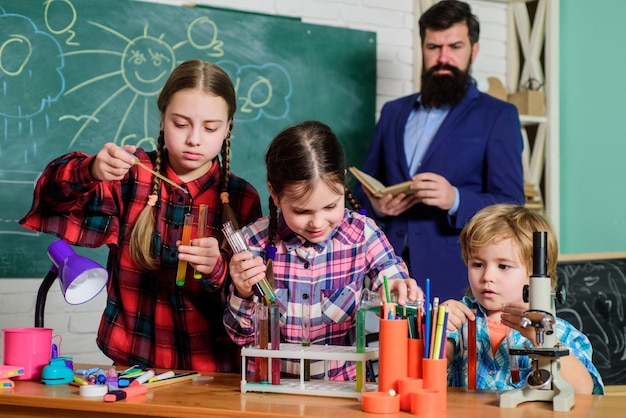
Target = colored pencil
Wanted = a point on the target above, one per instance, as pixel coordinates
(441, 314)
(176, 379)
(442, 352)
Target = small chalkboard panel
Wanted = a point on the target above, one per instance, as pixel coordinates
(596, 295)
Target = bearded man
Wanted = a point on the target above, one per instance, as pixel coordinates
(461, 148)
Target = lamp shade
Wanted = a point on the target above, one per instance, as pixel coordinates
(81, 279)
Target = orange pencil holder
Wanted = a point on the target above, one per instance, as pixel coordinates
(392, 353)
(408, 386)
(380, 403)
(435, 378)
(415, 356)
(424, 402)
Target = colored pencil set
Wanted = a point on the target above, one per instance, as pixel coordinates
(429, 324)
(427, 321)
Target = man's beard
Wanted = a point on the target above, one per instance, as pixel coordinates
(439, 90)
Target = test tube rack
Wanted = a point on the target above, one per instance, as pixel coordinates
(316, 387)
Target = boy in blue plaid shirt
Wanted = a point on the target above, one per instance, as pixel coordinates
(497, 247)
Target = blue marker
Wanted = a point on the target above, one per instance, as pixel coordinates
(427, 307)
(88, 371)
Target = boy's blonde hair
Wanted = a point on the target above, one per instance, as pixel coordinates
(502, 221)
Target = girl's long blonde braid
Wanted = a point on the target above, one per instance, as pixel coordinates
(142, 236)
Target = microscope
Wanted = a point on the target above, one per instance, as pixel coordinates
(544, 383)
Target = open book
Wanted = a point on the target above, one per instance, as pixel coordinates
(377, 188)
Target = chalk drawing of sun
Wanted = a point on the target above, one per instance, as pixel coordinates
(144, 65)
(73, 77)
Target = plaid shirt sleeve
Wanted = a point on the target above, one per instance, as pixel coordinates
(63, 194)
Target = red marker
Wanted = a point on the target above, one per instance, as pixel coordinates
(118, 395)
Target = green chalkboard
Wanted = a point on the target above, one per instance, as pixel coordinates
(596, 296)
(76, 74)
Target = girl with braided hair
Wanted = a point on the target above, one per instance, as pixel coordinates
(110, 199)
(322, 254)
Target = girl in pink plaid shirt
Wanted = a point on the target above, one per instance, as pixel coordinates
(323, 254)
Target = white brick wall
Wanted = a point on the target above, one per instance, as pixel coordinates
(397, 34)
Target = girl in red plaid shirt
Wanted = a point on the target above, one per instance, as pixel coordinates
(323, 254)
(108, 199)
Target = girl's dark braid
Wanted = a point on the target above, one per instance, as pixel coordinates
(270, 248)
(353, 202)
(272, 229)
(226, 163)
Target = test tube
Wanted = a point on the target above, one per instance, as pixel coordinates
(274, 311)
(513, 365)
(182, 264)
(261, 337)
(305, 319)
(360, 346)
(238, 244)
(202, 215)
(471, 354)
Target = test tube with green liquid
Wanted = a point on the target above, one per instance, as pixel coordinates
(360, 346)
(182, 264)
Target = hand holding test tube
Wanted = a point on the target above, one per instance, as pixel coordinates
(235, 238)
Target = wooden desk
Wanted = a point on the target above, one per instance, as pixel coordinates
(221, 398)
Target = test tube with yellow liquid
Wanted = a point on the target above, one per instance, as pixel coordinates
(202, 215)
(182, 264)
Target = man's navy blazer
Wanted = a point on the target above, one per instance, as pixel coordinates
(478, 149)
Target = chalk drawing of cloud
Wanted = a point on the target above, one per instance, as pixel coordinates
(28, 57)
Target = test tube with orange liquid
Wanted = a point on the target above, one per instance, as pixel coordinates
(182, 264)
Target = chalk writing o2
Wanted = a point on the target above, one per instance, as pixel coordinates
(68, 26)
